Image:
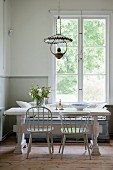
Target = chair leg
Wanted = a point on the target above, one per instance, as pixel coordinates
(49, 146)
(63, 143)
(85, 143)
(86, 138)
(51, 137)
(29, 145)
(60, 145)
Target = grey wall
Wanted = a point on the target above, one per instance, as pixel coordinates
(4, 92)
(19, 88)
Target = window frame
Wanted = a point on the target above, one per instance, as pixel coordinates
(77, 14)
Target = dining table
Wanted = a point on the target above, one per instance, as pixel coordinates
(20, 127)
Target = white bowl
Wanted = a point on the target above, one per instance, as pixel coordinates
(80, 106)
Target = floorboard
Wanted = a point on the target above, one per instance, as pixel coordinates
(74, 157)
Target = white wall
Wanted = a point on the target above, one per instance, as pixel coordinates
(7, 38)
(4, 38)
(1, 36)
(4, 52)
(30, 21)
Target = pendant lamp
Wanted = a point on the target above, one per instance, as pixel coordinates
(56, 40)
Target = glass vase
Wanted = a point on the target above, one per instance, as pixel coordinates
(40, 102)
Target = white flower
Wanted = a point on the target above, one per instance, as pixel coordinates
(40, 92)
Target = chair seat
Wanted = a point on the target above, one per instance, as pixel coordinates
(76, 131)
(41, 130)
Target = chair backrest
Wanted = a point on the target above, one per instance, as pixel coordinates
(39, 118)
(75, 122)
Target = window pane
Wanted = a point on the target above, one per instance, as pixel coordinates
(94, 32)
(84, 64)
(69, 28)
(94, 60)
(68, 63)
(67, 88)
(94, 88)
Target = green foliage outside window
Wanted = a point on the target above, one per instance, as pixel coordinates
(93, 56)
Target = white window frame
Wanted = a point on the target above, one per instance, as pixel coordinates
(74, 14)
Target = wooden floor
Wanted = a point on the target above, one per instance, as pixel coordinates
(74, 157)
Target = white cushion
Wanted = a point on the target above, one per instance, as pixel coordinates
(32, 103)
(23, 104)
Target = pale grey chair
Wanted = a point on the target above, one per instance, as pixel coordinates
(39, 121)
(76, 125)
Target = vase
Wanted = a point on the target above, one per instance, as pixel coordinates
(40, 102)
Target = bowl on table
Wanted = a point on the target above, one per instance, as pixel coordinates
(80, 106)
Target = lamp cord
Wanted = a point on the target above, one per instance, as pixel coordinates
(58, 19)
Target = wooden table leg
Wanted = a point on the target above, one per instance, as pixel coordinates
(21, 142)
(95, 148)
